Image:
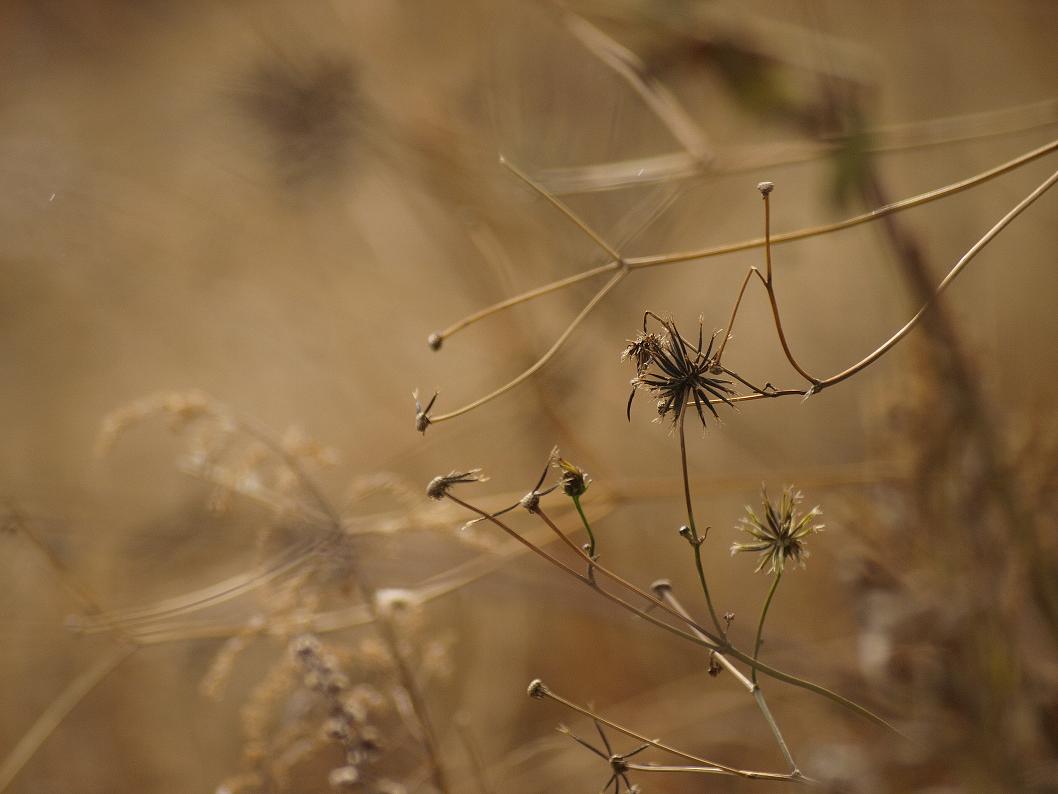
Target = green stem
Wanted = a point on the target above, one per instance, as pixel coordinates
(763, 615)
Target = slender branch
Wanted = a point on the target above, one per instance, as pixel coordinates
(58, 709)
(765, 189)
(547, 289)
(948, 279)
(763, 616)
(664, 590)
(704, 253)
(695, 539)
(541, 690)
(735, 160)
(866, 217)
(964, 260)
(712, 642)
(602, 293)
(561, 207)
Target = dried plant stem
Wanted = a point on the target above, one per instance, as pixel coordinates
(856, 220)
(602, 293)
(735, 160)
(561, 207)
(948, 279)
(696, 539)
(621, 267)
(664, 590)
(524, 297)
(963, 261)
(711, 642)
(763, 616)
(744, 245)
(407, 680)
(716, 767)
(58, 709)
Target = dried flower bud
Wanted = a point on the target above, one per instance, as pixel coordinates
(574, 481)
(766, 187)
(537, 689)
(422, 414)
(434, 341)
(438, 487)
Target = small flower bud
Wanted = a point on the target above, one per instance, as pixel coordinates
(537, 689)
(434, 341)
(766, 187)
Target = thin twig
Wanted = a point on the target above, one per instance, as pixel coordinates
(712, 643)
(544, 691)
(664, 590)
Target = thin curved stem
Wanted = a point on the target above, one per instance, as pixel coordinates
(58, 709)
(659, 745)
(963, 261)
(948, 279)
(664, 590)
(587, 526)
(695, 539)
(561, 207)
(525, 297)
(786, 237)
(760, 623)
(540, 362)
(866, 217)
(769, 286)
(711, 642)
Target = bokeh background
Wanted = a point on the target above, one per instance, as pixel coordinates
(275, 203)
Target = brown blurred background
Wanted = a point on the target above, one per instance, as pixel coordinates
(275, 203)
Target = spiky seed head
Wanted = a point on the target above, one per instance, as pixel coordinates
(780, 534)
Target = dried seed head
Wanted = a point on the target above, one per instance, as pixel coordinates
(780, 534)
(422, 414)
(766, 187)
(438, 487)
(678, 374)
(537, 689)
(434, 341)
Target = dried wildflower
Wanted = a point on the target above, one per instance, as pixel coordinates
(677, 373)
(781, 534)
(438, 487)
(575, 481)
(422, 419)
